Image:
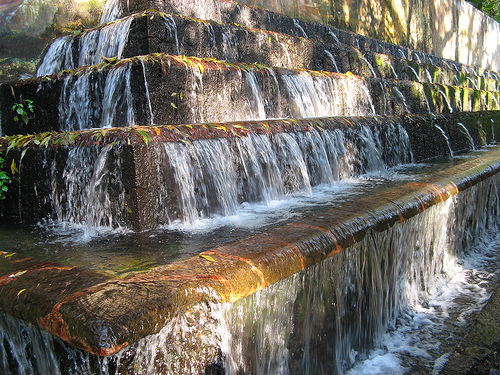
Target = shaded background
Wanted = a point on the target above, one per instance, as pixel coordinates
(27, 26)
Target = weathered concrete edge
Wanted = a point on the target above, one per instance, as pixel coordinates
(140, 134)
(102, 315)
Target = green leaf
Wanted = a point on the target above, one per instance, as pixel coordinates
(145, 136)
(46, 140)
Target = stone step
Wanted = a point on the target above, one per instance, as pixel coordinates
(230, 12)
(178, 89)
(102, 314)
(154, 32)
(141, 177)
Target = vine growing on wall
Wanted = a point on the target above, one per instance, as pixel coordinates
(4, 179)
(24, 111)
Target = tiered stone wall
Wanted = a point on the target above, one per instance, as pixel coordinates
(450, 29)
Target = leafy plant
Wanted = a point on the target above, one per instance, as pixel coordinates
(490, 7)
(4, 180)
(24, 111)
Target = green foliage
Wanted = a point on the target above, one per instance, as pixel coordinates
(145, 136)
(4, 180)
(489, 7)
(24, 111)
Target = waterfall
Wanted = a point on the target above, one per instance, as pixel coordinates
(429, 76)
(327, 317)
(254, 98)
(172, 30)
(108, 41)
(334, 37)
(111, 11)
(87, 100)
(447, 101)
(199, 183)
(297, 26)
(401, 99)
(79, 103)
(311, 96)
(395, 75)
(332, 59)
(23, 343)
(148, 97)
(370, 67)
(88, 190)
(215, 177)
(466, 132)
(289, 63)
(414, 72)
(58, 57)
(447, 140)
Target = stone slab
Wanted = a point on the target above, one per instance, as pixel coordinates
(182, 90)
(43, 157)
(102, 314)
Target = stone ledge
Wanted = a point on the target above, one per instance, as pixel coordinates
(102, 315)
(135, 147)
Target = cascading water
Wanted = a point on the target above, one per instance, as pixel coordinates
(466, 132)
(59, 57)
(400, 98)
(111, 11)
(255, 100)
(14, 357)
(198, 184)
(108, 42)
(332, 59)
(447, 101)
(87, 100)
(446, 139)
(327, 318)
(88, 190)
(172, 30)
(365, 307)
(334, 317)
(312, 96)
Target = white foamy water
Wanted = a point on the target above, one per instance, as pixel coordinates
(391, 304)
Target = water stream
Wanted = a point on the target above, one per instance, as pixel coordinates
(195, 182)
(389, 304)
(396, 302)
(89, 100)
(91, 46)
